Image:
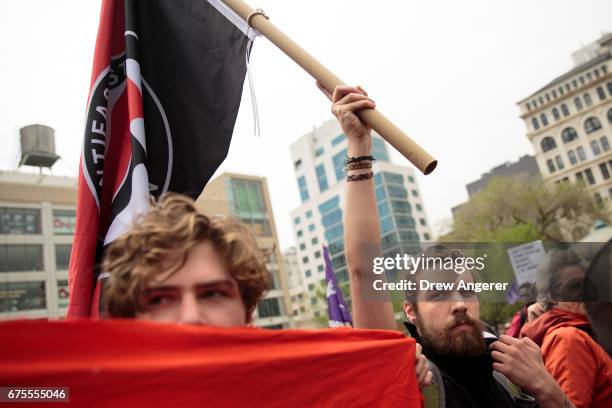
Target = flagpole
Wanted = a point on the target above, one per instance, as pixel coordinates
(383, 126)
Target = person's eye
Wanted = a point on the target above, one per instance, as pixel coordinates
(468, 293)
(159, 300)
(212, 294)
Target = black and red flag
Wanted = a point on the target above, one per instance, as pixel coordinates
(165, 90)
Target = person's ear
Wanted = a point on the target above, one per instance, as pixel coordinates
(410, 311)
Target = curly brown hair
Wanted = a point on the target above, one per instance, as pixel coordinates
(161, 239)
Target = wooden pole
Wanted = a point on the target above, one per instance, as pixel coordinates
(383, 126)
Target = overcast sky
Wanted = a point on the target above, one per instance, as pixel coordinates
(449, 73)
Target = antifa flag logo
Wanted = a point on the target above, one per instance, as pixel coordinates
(129, 164)
(166, 88)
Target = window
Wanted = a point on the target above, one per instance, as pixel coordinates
(62, 293)
(564, 110)
(411, 179)
(62, 257)
(544, 119)
(609, 85)
(572, 157)
(319, 152)
(589, 176)
(587, 99)
(535, 123)
(309, 214)
(338, 139)
(338, 161)
(581, 79)
(554, 93)
(329, 205)
(604, 171)
(336, 247)
(604, 143)
(401, 206)
(610, 115)
(318, 254)
(556, 114)
(393, 178)
(308, 273)
(379, 149)
(64, 222)
(297, 164)
(383, 209)
(386, 225)
(569, 134)
(389, 241)
(581, 153)
(322, 178)
(559, 161)
(548, 143)
(592, 124)
(380, 193)
(314, 241)
(338, 262)
(574, 84)
(313, 301)
(528, 106)
(305, 260)
(579, 177)
(246, 202)
(551, 166)
(595, 148)
(311, 227)
(300, 233)
(302, 246)
(21, 258)
(269, 308)
(21, 221)
(598, 200)
(303, 188)
(404, 221)
(334, 233)
(330, 218)
(601, 93)
(426, 236)
(397, 192)
(418, 207)
(578, 103)
(311, 287)
(320, 268)
(18, 296)
(422, 221)
(415, 193)
(296, 220)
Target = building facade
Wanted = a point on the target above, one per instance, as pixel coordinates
(569, 122)
(526, 167)
(299, 297)
(247, 199)
(37, 220)
(318, 159)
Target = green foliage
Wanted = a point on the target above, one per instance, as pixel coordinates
(523, 210)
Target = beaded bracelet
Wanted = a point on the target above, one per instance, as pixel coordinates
(350, 160)
(358, 177)
(358, 166)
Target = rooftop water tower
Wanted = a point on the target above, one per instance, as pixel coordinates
(37, 146)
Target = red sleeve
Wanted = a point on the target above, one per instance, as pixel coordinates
(570, 360)
(515, 326)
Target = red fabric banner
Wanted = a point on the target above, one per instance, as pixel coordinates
(133, 363)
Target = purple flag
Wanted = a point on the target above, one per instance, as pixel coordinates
(336, 308)
(512, 294)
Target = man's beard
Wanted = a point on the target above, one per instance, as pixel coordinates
(454, 343)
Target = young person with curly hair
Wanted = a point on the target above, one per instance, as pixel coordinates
(178, 265)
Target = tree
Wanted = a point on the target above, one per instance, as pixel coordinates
(523, 209)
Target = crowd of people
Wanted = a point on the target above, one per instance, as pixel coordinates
(178, 265)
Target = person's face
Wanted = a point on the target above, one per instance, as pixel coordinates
(202, 291)
(448, 321)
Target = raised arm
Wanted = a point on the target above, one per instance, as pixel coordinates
(361, 223)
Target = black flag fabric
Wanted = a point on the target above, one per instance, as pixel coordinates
(164, 96)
